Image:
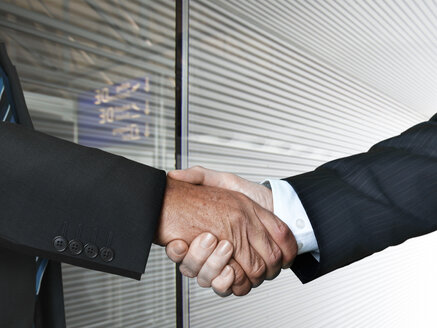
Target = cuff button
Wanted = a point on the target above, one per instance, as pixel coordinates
(75, 247)
(106, 254)
(60, 243)
(91, 251)
(299, 246)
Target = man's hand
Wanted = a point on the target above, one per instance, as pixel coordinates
(203, 176)
(261, 242)
(256, 192)
(209, 260)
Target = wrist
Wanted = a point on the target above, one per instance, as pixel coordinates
(167, 215)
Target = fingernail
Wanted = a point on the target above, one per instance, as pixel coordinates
(226, 271)
(224, 248)
(207, 241)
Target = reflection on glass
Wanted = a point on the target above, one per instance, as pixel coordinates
(101, 73)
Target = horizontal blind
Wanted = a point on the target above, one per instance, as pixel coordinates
(278, 88)
(64, 50)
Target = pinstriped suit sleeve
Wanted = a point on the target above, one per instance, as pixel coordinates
(364, 203)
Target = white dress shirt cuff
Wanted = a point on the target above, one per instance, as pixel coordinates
(288, 207)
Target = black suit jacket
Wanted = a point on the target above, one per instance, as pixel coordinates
(361, 204)
(52, 188)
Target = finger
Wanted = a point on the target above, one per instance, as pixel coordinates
(241, 285)
(263, 243)
(249, 259)
(222, 283)
(207, 177)
(194, 175)
(269, 252)
(199, 251)
(176, 250)
(281, 234)
(215, 263)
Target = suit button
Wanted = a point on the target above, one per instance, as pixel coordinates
(60, 243)
(91, 251)
(75, 247)
(106, 254)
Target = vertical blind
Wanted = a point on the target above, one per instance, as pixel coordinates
(278, 88)
(77, 61)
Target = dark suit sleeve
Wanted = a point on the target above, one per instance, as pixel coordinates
(50, 187)
(364, 203)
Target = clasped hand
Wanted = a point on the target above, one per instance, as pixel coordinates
(221, 229)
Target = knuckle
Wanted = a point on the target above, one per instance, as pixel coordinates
(237, 217)
(293, 252)
(227, 176)
(203, 282)
(283, 233)
(230, 178)
(275, 257)
(258, 270)
(239, 275)
(275, 264)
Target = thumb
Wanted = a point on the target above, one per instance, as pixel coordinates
(207, 177)
(193, 175)
(176, 250)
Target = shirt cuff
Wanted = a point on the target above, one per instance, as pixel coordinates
(288, 207)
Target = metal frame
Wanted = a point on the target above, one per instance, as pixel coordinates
(181, 138)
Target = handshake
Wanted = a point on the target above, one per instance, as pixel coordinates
(221, 228)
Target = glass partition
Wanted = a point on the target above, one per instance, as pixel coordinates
(101, 73)
(270, 98)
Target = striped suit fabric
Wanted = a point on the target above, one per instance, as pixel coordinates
(364, 203)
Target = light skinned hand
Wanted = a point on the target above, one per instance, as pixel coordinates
(258, 193)
(202, 176)
(189, 210)
(207, 260)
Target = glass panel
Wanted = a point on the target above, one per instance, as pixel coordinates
(101, 73)
(264, 102)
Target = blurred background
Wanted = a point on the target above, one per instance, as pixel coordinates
(272, 89)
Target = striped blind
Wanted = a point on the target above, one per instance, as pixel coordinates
(70, 55)
(277, 88)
